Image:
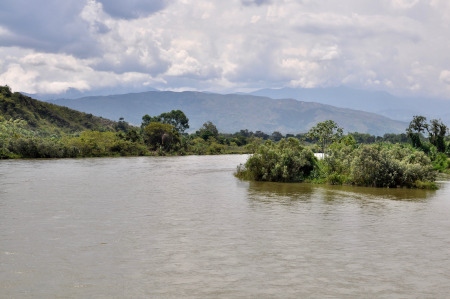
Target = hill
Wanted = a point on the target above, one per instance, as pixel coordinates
(48, 117)
(233, 112)
(379, 102)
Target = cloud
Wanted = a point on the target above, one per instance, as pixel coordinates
(404, 4)
(56, 73)
(445, 77)
(256, 2)
(131, 9)
(396, 45)
(48, 25)
(358, 26)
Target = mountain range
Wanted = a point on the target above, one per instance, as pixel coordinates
(234, 112)
(379, 102)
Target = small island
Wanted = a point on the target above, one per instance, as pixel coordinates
(345, 161)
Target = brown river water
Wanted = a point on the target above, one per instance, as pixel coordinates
(185, 227)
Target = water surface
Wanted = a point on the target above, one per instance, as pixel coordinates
(185, 227)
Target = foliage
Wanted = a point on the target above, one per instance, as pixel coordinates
(441, 162)
(48, 118)
(161, 136)
(390, 166)
(208, 130)
(10, 131)
(32, 129)
(285, 161)
(336, 164)
(345, 162)
(276, 136)
(34, 147)
(436, 133)
(325, 132)
(176, 118)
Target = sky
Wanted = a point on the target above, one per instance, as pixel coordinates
(399, 46)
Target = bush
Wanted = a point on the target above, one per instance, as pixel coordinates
(33, 147)
(372, 166)
(128, 148)
(285, 161)
(390, 166)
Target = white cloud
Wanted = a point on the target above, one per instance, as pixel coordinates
(397, 45)
(445, 77)
(404, 4)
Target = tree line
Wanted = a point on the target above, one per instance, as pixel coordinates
(164, 134)
(406, 159)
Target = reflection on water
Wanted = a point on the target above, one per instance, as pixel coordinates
(304, 191)
(185, 227)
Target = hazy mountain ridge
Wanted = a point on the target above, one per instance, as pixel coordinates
(233, 112)
(379, 102)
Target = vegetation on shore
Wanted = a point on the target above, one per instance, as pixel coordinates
(35, 129)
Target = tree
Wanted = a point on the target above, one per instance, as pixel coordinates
(261, 134)
(159, 135)
(276, 136)
(208, 130)
(146, 120)
(325, 133)
(436, 134)
(417, 126)
(122, 125)
(6, 91)
(176, 118)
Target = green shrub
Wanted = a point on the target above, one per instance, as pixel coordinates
(285, 161)
(390, 166)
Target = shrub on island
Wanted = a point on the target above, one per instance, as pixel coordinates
(284, 161)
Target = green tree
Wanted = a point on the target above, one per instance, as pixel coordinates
(147, 119)
(5, 91)
(436, 130)
(337, 162)
(416, 127)
(161, 136)
(208, 130)
(176, 118)
(122, 125)
(276, 136)
(325, 133)
(436, 134)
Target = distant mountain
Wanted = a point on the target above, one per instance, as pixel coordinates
(233, 112)
(73, 93)
(46, 116)
(380, 102)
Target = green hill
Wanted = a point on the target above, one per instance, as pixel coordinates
(233, 112)
(47, 117)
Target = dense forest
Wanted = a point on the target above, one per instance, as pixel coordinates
(33, 129)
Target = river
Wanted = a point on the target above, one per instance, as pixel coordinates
(185, 227)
